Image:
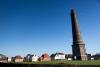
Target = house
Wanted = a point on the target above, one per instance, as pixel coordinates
(58, 56)
(34, 58)
(68, 56)
(44, 57)
(3, 58)
(12, 59)
(28, 58)
(31, 58)
(89, 56)
(9, 59)
(18, 58)
(92, 58)
(96, 56)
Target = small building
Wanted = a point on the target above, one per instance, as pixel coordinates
(96, 56)
(18, 59)
(12, 59)
(34, 58)
(31, 58)
(68, 56)
(28, 58)
(45, 57)
(3, 58)
(92, 58)
(9, 59)
(58, 56)
(89, 56)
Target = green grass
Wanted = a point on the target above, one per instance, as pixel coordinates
(90, 62)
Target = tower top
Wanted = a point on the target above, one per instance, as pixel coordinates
(72, 10)
(75, 28)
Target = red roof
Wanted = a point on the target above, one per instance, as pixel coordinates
(45, 55)
(18, 57)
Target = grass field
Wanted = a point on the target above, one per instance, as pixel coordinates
(90, 62)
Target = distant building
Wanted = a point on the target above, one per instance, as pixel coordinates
(3, 58)
(18, 59)
(45, 57)
(28, 58)
(97, 56)
(31, 58)
(12, 59)
(35, 58)
(9, 59)
(69, 56)
(89, 56)
(92, 58)
(58, 56)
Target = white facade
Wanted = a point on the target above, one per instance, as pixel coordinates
(35, 58)
(9, 59)
(69, 58)
(92, 58)
(59, 57)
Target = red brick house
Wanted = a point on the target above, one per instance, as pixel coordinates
(45, 57)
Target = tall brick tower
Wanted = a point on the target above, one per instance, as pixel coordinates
(78, 46)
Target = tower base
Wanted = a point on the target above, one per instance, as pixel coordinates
(79, 52)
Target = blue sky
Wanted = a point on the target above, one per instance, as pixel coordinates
(44, 26)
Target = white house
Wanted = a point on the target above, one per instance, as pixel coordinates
(9, 59)
(35, 58)
(58, 56)
(92, 58)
